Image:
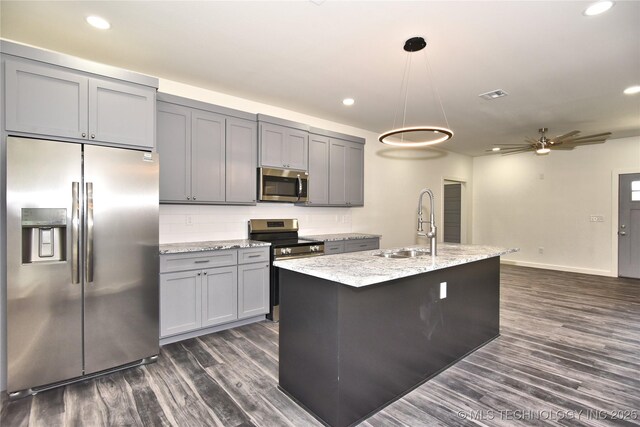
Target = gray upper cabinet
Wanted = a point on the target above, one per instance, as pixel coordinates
(346, 173)
(355, 174)
(241, 157)
(174, 145)
(121, 113)
(206, 157)
(48, 100)
(318, 169)
(283, 147)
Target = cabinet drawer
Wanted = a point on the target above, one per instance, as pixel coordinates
(333, 247)
(361, 245)
(197, 260)
(251, 255)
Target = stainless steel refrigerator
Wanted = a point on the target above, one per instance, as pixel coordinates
(82, 261)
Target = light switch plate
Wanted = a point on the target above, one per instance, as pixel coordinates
(443, 290)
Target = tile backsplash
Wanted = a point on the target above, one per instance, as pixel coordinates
(191, 223)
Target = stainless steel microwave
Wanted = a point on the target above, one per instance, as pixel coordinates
(282, 185)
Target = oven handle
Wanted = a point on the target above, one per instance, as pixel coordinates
(284, 258)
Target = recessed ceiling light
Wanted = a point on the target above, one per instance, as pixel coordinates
(98, 22)
(632, 90)
(598, 8)
(495, 149)
(348, 101)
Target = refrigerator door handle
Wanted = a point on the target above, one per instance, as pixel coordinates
(89, 234)
(75, 232)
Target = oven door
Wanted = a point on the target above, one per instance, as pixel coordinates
(282, 185)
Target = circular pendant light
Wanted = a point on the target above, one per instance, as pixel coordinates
(415, 136)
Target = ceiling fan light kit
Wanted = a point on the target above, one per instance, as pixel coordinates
(544, 145)
(415, 136)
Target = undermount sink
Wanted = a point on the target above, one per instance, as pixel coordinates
(404, 253)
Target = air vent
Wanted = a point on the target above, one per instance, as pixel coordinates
(498, 93)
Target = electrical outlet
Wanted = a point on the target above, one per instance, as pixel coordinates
(541, 250)
(443, 290)
(596, 218)
(189, 220)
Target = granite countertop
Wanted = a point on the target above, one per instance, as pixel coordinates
(360, 269)
(340, 236)
(216, 245)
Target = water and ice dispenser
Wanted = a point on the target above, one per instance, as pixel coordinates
(44, 234)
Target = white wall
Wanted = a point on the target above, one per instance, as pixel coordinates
(393, 179)
(533, 202)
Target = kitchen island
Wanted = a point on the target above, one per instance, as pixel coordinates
(359, 330)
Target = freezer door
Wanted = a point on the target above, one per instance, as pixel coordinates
(44, 306)
(122, 261)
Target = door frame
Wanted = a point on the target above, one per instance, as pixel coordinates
(464, 208)
(615, 202)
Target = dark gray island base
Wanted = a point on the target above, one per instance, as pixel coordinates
(346, 352)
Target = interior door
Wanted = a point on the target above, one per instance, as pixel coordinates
(44, 306)
(122, 261)
(629, 226)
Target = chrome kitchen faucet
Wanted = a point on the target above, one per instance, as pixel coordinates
(432, 221)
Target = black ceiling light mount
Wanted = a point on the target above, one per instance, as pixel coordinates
(415, 136)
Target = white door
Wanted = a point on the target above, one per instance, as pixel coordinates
(629, 226)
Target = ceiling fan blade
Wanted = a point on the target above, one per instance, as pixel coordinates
(586, 143)
(563, 147)
(605, 134)
(514, 145)
(582, 141)
(565, 136)
(523, 150)
(531, 141)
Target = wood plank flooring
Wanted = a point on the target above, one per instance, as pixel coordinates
(568, 354)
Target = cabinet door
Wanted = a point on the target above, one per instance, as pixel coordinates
(241, 153)
(174, 148)
(318, 170)
(219, 295)
(45, 100)
(253, 289)
(122, 113)
(296, 149)
(180, 302)
(207, 156)
(355, 174)
(272, 145)
(337, 172)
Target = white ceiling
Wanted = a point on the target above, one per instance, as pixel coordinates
(562, 70)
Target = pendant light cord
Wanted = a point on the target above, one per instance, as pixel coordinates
(434, 88)
(405, 78)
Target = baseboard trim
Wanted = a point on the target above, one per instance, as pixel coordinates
(210, 330)
(591, 271)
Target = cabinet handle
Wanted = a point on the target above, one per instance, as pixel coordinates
(254, 256)
(202, 261)
(205, 273)
(93, 136)
(199, 274)
(194, 197)
(188, 198)
(84, 134)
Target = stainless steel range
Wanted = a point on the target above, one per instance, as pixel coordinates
(285, 244)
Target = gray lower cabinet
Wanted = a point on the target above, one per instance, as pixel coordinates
(253, 289)
(283, 147)
(44, 99)
(204, 289)
(206, 157)
(353, 245)
(219, 295)
(336, 172)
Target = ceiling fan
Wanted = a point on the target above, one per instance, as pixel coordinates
(544, 145)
